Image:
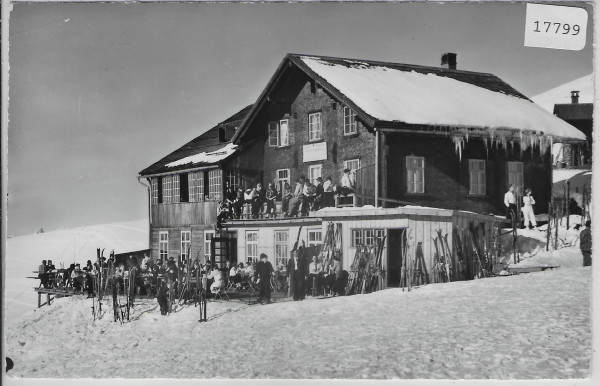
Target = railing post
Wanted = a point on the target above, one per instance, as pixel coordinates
(376, 167)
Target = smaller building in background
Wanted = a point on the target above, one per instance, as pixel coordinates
(579, 115)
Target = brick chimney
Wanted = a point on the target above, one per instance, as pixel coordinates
(574, 97)
(449, 61)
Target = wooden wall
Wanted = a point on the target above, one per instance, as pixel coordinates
(185, 214)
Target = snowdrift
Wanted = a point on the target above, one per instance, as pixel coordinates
(525, 326)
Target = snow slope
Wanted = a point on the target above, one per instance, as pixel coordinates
(562, 94)
(524, 326)
(25, 253)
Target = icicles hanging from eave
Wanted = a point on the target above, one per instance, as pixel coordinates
(500, 138)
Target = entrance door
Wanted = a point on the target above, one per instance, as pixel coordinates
(396, 241)
(222, 249)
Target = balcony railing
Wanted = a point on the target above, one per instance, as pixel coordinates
(185, 214)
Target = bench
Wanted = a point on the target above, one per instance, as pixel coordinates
(345, 201)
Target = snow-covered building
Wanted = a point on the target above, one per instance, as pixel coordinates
(431, 148)
(185, 187)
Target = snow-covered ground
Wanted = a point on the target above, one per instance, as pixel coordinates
(525, 326)
(25, 253)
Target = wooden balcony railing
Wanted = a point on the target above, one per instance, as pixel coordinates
(185, 214)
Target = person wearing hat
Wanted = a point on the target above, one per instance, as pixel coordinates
(262, 275)
(328, 200)
(319, 198)
(347, 184)
(271, 196)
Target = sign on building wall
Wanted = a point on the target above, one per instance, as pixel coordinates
(314, 152)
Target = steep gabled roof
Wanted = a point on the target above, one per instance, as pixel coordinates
(204, 150)
(401, 95)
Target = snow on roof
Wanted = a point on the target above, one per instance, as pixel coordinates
(559, 175)
(562, 94)
(392, 95)
(206, 157)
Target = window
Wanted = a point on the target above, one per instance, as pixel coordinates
(167, 189)
(366, 237)
(281, 248)
(214, 184)
(186, 245)
(314, 127)
(196, 186)
(284, 132)
(176, 193)
(208, 235)
(279, 133)
(233, 178)
(154, 191)
(415, 173)
(353, 165)
(349, 121)
(282, 176)
(163, 245)
(515, 175)
(357, 237)
(314, 172)
(252, 245)
(314, 237)
(477, 177)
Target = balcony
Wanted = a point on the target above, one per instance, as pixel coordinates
(185, 214)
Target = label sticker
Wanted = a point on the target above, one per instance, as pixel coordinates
(553, 26)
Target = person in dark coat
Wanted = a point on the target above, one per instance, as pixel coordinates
(163, 298)
(297, 272)
(259, 198)
(271, 196)
(262, 273)
(43, 275)
(319, 198)
(585, 244)
(238, 203)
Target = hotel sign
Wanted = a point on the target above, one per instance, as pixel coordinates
(314, 152)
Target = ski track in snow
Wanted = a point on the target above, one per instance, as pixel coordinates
(524, 326)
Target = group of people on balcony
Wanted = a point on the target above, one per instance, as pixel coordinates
(304, 197)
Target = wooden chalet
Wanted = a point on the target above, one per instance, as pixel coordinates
(429, 148)
(185, 188)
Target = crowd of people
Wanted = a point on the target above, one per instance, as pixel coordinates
(165, 278)
(304, 197)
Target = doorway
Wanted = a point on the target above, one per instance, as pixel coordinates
(396, 242)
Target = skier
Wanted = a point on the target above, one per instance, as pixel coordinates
(585, 244)
(262, 275)
(162, 298)
(528, 215)
(297, 272)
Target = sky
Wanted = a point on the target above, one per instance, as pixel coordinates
(98, 92)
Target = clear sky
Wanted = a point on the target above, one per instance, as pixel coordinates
(100, 91)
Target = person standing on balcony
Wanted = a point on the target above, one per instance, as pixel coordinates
(260, 197)
(271, 196)
(319, 194)
(347, 184)
(286, 195)
(297, 199)
(327, 193)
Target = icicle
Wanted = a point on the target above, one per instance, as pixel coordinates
(458, 145)
(485, 143)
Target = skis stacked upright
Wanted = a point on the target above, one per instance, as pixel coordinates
(420, 276)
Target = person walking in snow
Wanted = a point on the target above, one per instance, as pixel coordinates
(262, 275)
(528, 215)
(510, 201)
(585, 244)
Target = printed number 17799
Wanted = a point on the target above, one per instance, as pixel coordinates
(556, 28)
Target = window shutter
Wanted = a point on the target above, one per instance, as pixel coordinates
(273, 134)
